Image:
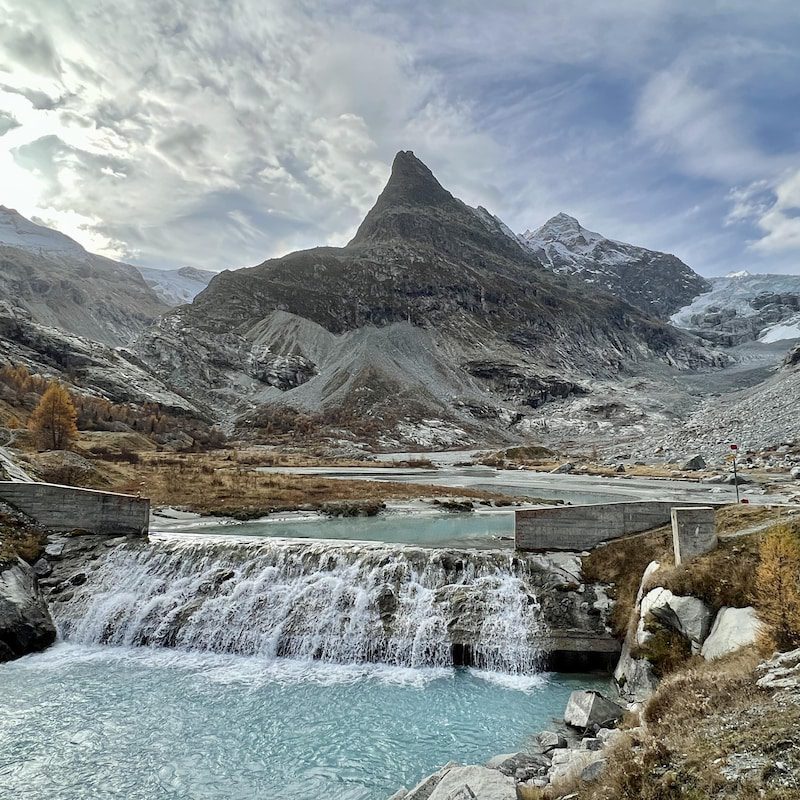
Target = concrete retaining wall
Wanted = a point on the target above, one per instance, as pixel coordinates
(694, 532)
(65, 508)
(585, 526)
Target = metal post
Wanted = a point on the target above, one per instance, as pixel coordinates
(734, 448)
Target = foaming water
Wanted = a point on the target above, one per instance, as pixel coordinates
(141, 723)
(339, 602)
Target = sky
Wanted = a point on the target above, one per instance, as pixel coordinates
(219, 133)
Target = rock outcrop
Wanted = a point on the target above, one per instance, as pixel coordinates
(25, 622)
(733, 629)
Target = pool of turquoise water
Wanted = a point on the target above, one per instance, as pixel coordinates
(107, 723)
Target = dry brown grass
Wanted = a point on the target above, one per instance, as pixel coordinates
(18, 540)
(210, 485)
(697, 718)
(621, 563)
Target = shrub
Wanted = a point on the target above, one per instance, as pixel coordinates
(778, 587)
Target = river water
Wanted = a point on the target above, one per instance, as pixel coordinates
(104, 723)
(208, 667)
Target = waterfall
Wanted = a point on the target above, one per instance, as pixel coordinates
(334, 601)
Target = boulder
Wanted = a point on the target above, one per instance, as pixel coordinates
(563, 469)
(782, 671)
(521, 766)
(549, 740)
(686, 615)
(795, 473)
(587, 708)
(570, 766)
(696, 462)
(42, 568)
(25, 623)
(733, 629)
(634, 677)
(482, 782)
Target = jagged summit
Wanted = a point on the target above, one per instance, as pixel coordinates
(434, 315)
(412, 190)
(414, 209)
(564, 229)
(658, 283)
(412, 183)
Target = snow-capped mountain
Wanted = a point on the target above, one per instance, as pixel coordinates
(176, 286)
(742, 307)
(658, 283)
(60, 284)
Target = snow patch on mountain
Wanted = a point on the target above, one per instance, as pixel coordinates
(17, 231)
(658, 283)
(176, 286)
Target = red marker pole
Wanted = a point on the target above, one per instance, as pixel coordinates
(734, 448)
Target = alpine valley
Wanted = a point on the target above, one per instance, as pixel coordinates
(434, 327)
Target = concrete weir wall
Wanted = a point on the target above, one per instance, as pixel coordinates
(584, 527)
(66, 508)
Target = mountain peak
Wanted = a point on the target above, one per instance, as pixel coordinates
(411, 187)
(411, 183)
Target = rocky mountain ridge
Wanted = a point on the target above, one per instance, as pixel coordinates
(62, 285)
(657, 283)
(432, 312)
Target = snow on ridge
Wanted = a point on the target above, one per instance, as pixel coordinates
(17, 231)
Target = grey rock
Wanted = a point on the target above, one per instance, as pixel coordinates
(591, 743)
(42, 568)
(563, 468)
(54, 549)
(688, 616)
(550, 740)
(25, 623)
(587, 708)
(733, 629)
(795, 473)
(484, 783)
(696, 462)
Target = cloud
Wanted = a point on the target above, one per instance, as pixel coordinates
(32, 49)
(225, 132)
(7, 122)
(775, 210)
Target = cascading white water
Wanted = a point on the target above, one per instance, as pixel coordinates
(333, 601)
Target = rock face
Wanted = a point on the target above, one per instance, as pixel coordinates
(657, 283)
(733, 629)
(98, 369)
(25, 623)
(586, 709)
(62, 285)
(687, 616)
(396, 326)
